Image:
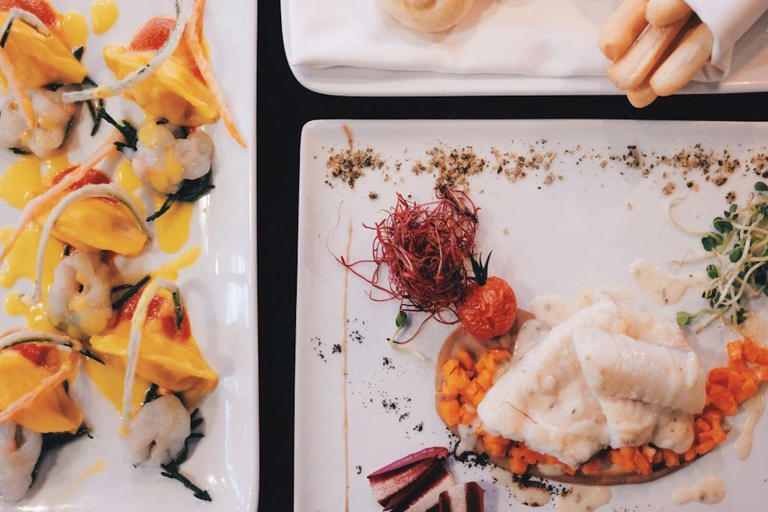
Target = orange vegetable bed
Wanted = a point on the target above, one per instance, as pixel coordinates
(466, 382)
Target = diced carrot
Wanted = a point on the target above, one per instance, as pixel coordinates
(641, 464)
(499, 354)
(485, 379)
(671, 459)
(465, 359)
(496, 446)
(450, 411)
(449, 367)
(648, 452)
(517, 466)
(735, 352)
(591, 467)
(751, 350)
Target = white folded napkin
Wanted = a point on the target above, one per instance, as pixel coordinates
(549, 38)
(728, 20)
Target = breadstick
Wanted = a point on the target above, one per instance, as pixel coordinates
(689, 57)
(633, 68)
(664, 12)
(622, 29)
(642, 96)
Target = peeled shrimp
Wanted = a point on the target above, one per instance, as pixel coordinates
(158, 431)
(53, 118)
(163, 161)
(81, 295)
(19, 451)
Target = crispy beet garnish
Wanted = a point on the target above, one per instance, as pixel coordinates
(463, 498)
(404, 482)
(426, 494)
(437, 452)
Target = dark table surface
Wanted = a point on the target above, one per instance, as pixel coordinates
(284, 106)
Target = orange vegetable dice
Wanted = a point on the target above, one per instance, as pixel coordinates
(465, 359)
(496, 446)
(517, 466)
(591, 467)
(450, 411)
(735, 352)
(671, 459)
(751, 350)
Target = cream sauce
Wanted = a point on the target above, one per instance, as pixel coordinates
(531, 332)
(754, 407)
(528, 495)
(661, 286)
(709, 490)
(583, 499)
(553, 309)
(754, 328)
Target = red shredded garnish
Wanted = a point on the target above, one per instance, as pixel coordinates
(425, 247)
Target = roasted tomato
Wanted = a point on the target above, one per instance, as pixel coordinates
(489, 307)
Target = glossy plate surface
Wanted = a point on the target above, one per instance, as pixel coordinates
(219, 291)
(580, 232)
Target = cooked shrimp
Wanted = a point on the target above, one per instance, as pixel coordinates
(19, 451)
(80, 298)
(158, 431)
(53, 118)
(164, 159)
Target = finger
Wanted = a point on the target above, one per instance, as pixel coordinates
(664, 12)
(634, 67)
(642, 96)
(622, 29)
(686, 60)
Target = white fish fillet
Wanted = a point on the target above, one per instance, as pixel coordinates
(612, 375)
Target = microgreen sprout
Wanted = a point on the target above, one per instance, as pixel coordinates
(739, 243)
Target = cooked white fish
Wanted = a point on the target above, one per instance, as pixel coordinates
(19, 451)
(158, 432)
(611, 375)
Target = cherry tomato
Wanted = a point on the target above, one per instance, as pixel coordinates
(39, 8)
(489, 307)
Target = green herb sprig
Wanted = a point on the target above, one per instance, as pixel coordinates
(739, 242)
(189, 192)
(173, 469)
(131, 290)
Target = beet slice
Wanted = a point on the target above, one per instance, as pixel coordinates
(437, 452)
(425, 495)
(387, 487)
(463, 498)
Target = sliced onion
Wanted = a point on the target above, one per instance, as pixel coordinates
(111, 191)
(139, 75)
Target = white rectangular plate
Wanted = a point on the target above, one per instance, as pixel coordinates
(220, 292)
(581, 232)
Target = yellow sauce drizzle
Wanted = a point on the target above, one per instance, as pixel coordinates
(126, 178)
(96, 468)
(52, 166)
(171, 270)
(172, 227)
(109, 381)
(21, 181)
(35, 314)
(73, 29)
(104, 14)
(20, 262)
